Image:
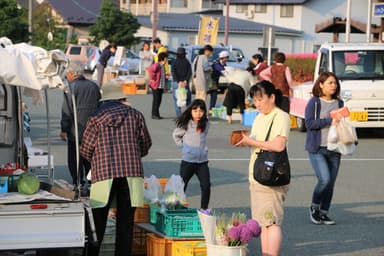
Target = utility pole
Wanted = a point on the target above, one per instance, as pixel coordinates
(369, 21)
(226, 27)
(348, 22)
(30, 20)
(154, 18)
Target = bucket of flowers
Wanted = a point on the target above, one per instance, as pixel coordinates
(229, 236)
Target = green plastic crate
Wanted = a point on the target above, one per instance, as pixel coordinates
(153, 209)
(179, 223)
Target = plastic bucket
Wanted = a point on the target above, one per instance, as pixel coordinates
(216, 250)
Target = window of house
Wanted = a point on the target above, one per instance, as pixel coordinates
(286, 11)
(208, 4)
(241, 8)
(124, 1)
(179, 3)
(260, 8)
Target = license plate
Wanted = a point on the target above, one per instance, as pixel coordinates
(360, 116)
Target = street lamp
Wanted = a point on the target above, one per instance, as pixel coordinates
(30, 20)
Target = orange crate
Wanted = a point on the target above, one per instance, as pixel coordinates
(189, 248)
(139, 242)
(142, 214)
(129, 88)
(157, 246)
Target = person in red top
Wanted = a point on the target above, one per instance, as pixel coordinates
(114, 141)
(280, 76)
(258, 65)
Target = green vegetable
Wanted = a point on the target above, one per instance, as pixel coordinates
(28, 184)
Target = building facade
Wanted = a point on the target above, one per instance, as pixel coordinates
(302, 15)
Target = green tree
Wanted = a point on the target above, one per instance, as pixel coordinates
(13, 21)
(43, 22)
(114, 25)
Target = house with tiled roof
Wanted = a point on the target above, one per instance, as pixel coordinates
(242, 33)
(301, 15)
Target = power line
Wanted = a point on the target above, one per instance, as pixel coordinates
(85, 9)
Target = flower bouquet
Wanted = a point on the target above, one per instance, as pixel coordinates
(228, 236)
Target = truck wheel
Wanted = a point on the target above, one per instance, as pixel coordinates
(301, 124)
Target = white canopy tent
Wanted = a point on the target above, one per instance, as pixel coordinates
(35, 70)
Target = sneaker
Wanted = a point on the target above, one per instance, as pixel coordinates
(326, 220)
(314, 215)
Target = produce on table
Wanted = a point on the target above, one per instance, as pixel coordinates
(28, 184)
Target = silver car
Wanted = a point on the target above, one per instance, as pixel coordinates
(131, 63)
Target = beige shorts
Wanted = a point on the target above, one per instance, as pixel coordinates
(267, 204)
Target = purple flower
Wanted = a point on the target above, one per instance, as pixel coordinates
(234, 233)
(245, 235)
(254, 227)
(206, 211)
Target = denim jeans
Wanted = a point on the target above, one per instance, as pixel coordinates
(175, 86)
(326, 166)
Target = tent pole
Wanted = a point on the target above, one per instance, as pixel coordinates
(50, 168)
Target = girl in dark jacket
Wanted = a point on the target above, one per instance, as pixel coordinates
(325, 163)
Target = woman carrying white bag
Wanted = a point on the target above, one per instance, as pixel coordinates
(325, 162)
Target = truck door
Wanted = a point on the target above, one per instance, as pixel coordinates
(8, 124)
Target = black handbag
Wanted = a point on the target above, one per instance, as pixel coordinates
(272, 168)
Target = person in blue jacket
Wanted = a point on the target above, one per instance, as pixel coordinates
(103, 60)
(325, 163)
(218, 69)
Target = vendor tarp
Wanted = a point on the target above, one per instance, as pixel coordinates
(31, 67)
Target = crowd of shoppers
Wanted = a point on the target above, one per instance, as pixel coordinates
(107, 124)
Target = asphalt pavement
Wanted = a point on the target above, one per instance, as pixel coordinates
(358, 204)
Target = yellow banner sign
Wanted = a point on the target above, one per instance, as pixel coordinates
(209, 27)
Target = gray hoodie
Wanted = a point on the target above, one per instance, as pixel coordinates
(193, 144)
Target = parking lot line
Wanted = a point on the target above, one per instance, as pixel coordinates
(247, 159)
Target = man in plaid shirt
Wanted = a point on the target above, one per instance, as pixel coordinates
(114, 141)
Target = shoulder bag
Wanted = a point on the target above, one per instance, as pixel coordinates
(272, 168)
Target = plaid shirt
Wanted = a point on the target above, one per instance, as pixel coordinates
(114, 141)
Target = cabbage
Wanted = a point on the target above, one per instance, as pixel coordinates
(28, 184)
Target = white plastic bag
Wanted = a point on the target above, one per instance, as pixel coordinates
(335, 144)
(152, 191)
(344, 149)
(346, 132)
(181, 97)
(174, 192)
(333, 137)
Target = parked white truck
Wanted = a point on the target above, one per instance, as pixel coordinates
(42, 222)
(360, 70)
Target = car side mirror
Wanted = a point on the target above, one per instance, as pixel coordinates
(239, 59)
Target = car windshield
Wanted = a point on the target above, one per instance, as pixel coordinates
(364, 65)
(75, 50)
(131, 55)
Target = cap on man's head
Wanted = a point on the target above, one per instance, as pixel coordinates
(180, 50)
(223, 54)
(112, 91)
(157, 40)
(75, 68)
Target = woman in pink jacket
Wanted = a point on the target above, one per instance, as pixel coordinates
(157, 83)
